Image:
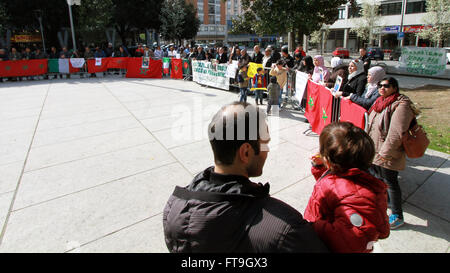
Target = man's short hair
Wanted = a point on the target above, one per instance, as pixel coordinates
(280, 62)
(259, 69)
(232, 126)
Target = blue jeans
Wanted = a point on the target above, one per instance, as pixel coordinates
(390, 177)
(259, 94)
(243, 94)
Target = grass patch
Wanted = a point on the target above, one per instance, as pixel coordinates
(434, 103)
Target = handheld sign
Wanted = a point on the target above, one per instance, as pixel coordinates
(337, 84)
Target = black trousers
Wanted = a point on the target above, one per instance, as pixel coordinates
(390, 177)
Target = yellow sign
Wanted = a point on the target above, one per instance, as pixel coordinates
(26, 38)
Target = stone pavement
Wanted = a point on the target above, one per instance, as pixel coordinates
(86, 165)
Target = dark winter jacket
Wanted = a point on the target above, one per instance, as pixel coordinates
(355, 85)
(348, 210)
(257, 58)
(229, 213)
(363, 101)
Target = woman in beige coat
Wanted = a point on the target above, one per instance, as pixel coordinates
(389, 118)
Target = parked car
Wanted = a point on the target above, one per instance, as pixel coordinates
(447, 49)
(375, 53)
(341, 52)
(395, 54)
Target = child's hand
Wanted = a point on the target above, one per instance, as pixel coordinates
(317, 159)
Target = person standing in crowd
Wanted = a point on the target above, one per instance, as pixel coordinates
(273, 90)
(390, 117)
(267, 59)
(338, 69)
(243, 83)
(288, 60)
(357, 80)
(38, 54)
(275, 54)
(370, 94)
(221, 210)
(259, 81)
(307, 65)
(109, 51)
(280, 72)
(3, 55)
(122, 52)
(245, 58)
(139, 52)
(171, 53)
(64, 54)
(99, 53)
(148, 52)
(299, 49)
(88, 54)
(348, 205)
(297, 61)
(235, 54)
(257, 55)
(14, 55)
(320, 68)
(221, 57)
(365, 59)
(158, 53)
(201, 56)
(53, 53)
(27, 55)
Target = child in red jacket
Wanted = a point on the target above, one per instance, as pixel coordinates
(348, 206)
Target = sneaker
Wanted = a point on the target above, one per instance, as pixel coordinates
(395, 221)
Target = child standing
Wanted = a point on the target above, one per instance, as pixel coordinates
(259, 84)
(243, 83)
(274, 93)
(348, 206)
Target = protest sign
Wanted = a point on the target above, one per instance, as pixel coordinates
(211, 75)
(427, 61)
(301, 79)
(231, 70)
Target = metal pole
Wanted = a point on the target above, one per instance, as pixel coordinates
(401, 23)
(42, 33)
(71, 25)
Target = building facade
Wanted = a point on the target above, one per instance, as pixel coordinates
(391, 19)
(212, 16)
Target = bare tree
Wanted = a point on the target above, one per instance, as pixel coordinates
(370, 22)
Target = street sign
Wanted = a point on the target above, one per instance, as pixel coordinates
(400, 35)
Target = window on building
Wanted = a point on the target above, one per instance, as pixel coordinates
(211, 18)
(354, 12)
(415, 7)
(341, 14)
(200, 7)
(201, 17)
(391, 9)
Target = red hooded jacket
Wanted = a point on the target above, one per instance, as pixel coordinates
(348, 210)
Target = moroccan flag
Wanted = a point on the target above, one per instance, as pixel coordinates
(353, 113)
(177, 71)
(61, 66)
(166, 65)
(93, 66)
(23, 68)
(117, 62)
(318, 106)
(135, 70)
(186, 68)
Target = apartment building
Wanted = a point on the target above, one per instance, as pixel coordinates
(391, 19)
(212, 16)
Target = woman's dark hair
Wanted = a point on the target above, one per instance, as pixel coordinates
(346, 146)
(273, 79)
(392, 81)
(280, 62)
(298, 55)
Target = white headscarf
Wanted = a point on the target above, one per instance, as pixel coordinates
(377, 73)
(335, 61)
(359, 68)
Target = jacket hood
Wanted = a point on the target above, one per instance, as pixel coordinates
(364, 179)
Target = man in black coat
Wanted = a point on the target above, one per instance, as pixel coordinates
(288, 59)
(221, 57)
(221, 210)
(365, 58)
(257, 55)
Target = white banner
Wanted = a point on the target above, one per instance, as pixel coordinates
(206, 73)
(301, 79)
(231, 69)
(428, 61)
(77, 62)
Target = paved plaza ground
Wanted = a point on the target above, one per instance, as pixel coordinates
(87, 165)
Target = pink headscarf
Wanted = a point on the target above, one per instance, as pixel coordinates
(316, 74)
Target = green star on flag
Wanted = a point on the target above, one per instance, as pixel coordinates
(143, 71)
(324, 116)
(311, 102)
(25, 67)
(7, 68)
(41, 66)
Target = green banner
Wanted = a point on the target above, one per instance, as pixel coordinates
(53, 65)
(428, 61)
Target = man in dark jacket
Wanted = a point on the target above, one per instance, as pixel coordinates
(221, 57)
(365, 58)
(221, 210)
(288, 59)
(245, 59)
(257, 55)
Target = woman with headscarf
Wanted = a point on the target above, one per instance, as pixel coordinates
(357, 80)
(339, 69)
(320, 68)
(390, 117)
(370, 94)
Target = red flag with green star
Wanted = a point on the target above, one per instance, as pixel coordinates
(177, 69)
(135, 69)
(318, 106)
(23, 68)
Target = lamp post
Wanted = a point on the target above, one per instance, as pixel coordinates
(70, 3)
(38, 14)
(401, 23)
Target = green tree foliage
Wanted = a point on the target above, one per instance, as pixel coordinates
(438, 16)
(282, 16)
(370, 22)
(178, 20)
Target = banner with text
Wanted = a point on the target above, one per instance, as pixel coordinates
(427, 61)
(210, 74)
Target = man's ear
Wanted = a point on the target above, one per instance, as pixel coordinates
(244, 153)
